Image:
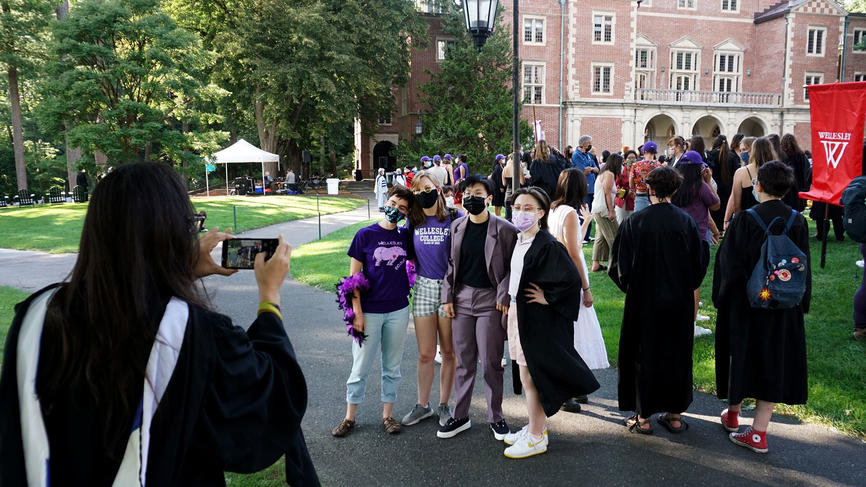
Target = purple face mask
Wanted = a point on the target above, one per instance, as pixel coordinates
(523, 220)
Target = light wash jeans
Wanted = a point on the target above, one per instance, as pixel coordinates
(641, 202)
(386, 332)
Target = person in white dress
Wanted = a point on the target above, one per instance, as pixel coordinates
(564, 225)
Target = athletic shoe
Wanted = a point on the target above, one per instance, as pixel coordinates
(499, 429)
(438, 357)
(730, 422)
(444, 413)
(527, 446)
(417, 414)
(701, 331)
(750, 439)
(511, 438)
(454, 427)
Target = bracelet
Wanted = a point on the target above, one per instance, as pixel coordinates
(268, 307)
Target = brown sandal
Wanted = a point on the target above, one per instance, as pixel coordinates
(343, 428)
(391, 425)
(636, 425)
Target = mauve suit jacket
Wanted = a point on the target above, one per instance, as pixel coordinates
(498, 246)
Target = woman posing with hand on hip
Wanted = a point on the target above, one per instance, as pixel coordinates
(542, 286)
(378, 288)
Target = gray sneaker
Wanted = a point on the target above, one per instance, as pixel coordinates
(417, 414)
(444, 413)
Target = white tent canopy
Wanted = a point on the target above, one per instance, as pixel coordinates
(244, 152)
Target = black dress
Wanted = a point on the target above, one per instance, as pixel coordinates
(547, 331)
(234, 403)
(760, 353)
(723, 185)
(498, 187)
(657, 261)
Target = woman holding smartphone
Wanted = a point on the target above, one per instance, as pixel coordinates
(380, 306)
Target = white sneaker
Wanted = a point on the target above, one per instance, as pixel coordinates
(703, 317)
(860, 263)
(438, 357)
(701, 331)
(511, 438)
(527, 446)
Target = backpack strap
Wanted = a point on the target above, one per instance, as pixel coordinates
(764, 226)
(790, 220)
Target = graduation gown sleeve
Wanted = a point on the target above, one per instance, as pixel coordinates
(622, 253)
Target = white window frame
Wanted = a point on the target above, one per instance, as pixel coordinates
(693, 74)
(647, 72)
(610, 81)
(823, 30)
(861, 76)
(603, 16)
(687, 4)
(735, 75)
(854, 33)
(815, 78)
(542, 85)
(534, 19)
(446, 41)
(730, 10)
(386, 121)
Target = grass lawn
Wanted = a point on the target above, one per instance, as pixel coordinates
(837, 383)
(9, 297)
(57, 228)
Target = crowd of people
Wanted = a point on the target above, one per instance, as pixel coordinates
(485, 280)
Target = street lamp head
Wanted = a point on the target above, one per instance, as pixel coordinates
(480, 16)
(418, 128)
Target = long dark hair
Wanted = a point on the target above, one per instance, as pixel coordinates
(789, 147)
(571, 188)
(721, 144)
(690, 186)
(614, 165)
(696, 143)
(138, 249)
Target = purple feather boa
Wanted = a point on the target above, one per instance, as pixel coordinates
(345, 294)
(411, 273)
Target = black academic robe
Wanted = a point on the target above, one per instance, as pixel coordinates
(547, 331)
(760, 353)
(234, 403)
(657, 261)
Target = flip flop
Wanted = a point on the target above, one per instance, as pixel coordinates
(665, 420)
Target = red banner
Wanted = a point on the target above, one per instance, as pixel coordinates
(838, 111)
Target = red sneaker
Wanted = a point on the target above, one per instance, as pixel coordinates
(751, 439)
(730, 422)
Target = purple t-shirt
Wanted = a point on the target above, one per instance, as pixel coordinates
(383, 254)
(698, 207)
(431, 244)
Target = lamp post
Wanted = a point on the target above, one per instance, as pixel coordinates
(480, 16)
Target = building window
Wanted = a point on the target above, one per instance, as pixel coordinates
(645, 65)
(602, 28)
(815, 41)
(730, 6)
(859, 40)
(686, 4)
(684, 70)
(533, 30)
(859, 76)
(727, 72)
(385, 120)
(442, 48)
(812, 79)
(533, 83)
(602, 79)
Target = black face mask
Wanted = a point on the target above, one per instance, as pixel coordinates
(588, 148)
(427, 199)
(474, 204)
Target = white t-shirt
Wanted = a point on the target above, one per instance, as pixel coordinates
(517, 257)
(439, 173)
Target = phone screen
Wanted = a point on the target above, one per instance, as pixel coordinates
(240, 253)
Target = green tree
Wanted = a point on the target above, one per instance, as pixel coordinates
(23, 24)
(858, 6)
(126, 82)
(468, 102)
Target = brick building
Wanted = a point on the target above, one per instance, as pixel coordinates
(625, 72)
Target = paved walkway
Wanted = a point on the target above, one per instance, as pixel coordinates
(591, 448)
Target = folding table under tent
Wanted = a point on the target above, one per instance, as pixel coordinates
(245, 153)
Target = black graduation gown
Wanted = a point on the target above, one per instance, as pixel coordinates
(657, 261)
(234, 403)
(547, 331)
(759, 353)
(724, 186)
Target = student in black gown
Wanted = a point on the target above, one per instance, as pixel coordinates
(760, 353)
(130, 355)
(657, 261)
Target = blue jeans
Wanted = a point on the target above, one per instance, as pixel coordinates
(641, 202)
(385, 331)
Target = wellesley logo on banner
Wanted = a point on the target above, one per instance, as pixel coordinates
(834, 144)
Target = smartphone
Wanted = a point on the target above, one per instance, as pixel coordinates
(240, 253)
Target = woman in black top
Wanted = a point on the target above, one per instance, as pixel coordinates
(543, 171)
(724, 163)
(742, 196)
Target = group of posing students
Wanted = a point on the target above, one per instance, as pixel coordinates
(482, 280)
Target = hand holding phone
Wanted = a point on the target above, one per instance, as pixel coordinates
(204, 264)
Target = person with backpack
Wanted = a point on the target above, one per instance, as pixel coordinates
(762, 288)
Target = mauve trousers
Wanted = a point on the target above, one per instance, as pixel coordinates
(477, 330)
